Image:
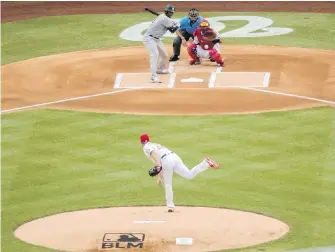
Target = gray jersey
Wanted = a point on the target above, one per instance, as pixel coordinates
(159, 26)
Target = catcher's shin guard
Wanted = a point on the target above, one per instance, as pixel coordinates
(192, 51)
(216, 56)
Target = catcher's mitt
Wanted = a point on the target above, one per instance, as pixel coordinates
(155, 170)
(210, 35)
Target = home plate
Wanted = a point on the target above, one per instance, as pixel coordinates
(192, 80)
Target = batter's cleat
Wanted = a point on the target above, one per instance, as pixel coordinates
(163, 71)
(194, 62)
(174, 58)
(155, 80)
(212, 163)
(170, 210)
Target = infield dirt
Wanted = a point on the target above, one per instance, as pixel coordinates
(297, 71)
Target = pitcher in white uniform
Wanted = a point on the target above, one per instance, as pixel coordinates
(153, 44)
(169, 162)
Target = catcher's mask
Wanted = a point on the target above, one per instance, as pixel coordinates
(193, 14)
(204, 26)
(169, 10)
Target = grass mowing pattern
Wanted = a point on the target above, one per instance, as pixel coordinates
(50, 35)
(279, 164)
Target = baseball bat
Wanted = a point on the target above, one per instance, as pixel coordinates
(151, 11)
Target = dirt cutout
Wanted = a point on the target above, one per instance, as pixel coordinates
(301, 72)
(297, 71)
(209, 228)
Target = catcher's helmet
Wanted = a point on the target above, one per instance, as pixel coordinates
(169, 8)
(204, 24)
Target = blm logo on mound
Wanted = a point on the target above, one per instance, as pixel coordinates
(122, 240)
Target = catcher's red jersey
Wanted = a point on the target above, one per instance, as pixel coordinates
(202, 41)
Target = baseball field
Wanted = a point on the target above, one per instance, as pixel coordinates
(75, 99)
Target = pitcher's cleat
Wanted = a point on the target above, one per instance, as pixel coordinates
(170, 210)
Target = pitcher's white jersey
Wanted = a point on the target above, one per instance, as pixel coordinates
(160, 150)
(171, 163)
(159, 26)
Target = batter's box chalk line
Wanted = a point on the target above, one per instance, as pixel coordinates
(263, 78)
(119, 76)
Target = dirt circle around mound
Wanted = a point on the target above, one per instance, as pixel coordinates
(210, 229)
(297, 72)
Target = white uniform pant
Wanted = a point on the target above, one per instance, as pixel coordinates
(157, 52)
(204, 54)
(172, 163)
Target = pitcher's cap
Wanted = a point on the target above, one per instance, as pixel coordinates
(144, 138)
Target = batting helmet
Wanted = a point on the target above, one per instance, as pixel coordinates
(169, 9)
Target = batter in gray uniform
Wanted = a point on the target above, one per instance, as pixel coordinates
(153, 44)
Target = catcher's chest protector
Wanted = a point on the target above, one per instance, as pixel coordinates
(203, 42)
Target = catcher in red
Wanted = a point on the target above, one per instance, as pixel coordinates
(206, 45)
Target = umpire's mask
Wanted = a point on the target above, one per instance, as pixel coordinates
(193, 14)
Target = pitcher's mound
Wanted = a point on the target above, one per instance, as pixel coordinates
(151, 229)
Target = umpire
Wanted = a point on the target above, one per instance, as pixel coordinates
(188, 25)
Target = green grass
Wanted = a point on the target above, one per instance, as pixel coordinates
(279, 169)
(280, 164)
(51, 35)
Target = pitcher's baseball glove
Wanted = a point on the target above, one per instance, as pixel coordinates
(155, 170)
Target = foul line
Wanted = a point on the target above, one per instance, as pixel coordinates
(66, 100)
(290, 95)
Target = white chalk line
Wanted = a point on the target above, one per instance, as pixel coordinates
(118, 79)
(265, 82)
(266, 79)
(211, 82)
(148, 222)
(219, 69)
(172, 80)
(132, 89)
(67, 100)
(171, 67)
(290, 95)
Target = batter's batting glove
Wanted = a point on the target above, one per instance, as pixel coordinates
(155, 170)
(173, 28)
